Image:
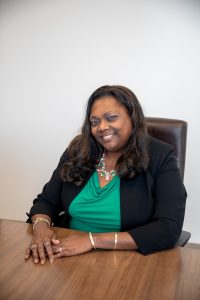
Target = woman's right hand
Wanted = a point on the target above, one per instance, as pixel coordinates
(41, 245)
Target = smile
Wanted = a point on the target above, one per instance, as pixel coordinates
(107, 137)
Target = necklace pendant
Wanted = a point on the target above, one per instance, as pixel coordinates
(101, 169)
(107, 175)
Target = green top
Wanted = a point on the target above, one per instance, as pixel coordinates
(97, 209)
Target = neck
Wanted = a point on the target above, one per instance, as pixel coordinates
(112, 156)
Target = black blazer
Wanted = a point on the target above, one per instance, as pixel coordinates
(152, 203)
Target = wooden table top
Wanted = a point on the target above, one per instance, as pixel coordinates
(100, 274)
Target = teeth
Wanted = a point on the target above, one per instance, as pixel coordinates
(107, 137)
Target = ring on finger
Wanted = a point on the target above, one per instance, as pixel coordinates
(46, 244)
(33, 246)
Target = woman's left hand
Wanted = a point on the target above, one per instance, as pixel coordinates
(72, 245)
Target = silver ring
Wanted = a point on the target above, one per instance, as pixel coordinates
(46, 244)
(33, 246)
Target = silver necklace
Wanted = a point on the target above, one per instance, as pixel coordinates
(101, 169)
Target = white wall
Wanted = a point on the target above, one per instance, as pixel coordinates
(53, 54)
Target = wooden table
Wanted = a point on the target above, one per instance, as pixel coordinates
(106, 275)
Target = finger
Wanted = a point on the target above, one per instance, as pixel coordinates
(59, 252)
(34, 251)
(58, 255)
(57, 249)
(27, 253)
(49, 251)
(54, 236)
(41, 253)
(55, 241)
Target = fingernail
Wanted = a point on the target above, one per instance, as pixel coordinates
(42, 262)
(35, 260)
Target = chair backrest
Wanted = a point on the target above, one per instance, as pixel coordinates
(171, 131)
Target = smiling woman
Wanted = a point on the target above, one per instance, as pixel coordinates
(116, 184)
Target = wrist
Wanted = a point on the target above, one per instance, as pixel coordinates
(105, 240)
(40, 220)
(92, 240)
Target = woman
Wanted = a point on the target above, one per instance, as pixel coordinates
(117, 185)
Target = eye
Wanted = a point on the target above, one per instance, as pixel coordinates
(94, 123)
(112, 118)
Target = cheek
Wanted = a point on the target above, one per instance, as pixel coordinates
(127, 131)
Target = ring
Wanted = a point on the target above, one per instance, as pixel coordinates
(46, 244)
(33, 246)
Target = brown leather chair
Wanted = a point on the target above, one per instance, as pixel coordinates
(173, 132)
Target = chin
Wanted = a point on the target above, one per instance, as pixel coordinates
(111, 148)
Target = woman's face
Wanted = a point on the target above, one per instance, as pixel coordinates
(110, 124)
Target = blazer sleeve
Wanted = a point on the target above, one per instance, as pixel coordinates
(48, 202)
(165, 226)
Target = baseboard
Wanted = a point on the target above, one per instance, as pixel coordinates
(193, 245)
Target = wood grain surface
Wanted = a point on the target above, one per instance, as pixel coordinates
(106, 275)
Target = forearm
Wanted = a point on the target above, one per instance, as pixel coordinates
(107, 241)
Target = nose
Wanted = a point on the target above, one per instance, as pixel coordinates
(103, 125)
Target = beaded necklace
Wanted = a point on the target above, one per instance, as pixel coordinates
(101, 168)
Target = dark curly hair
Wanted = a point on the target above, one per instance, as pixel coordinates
(84, 152)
